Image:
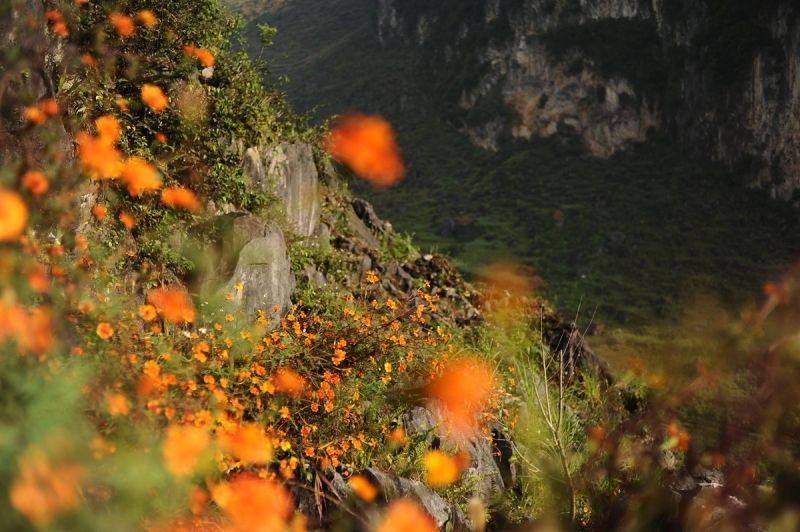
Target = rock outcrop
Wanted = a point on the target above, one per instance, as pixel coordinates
(261, 277)
(41, 55)
(722, 77)
(489, 472)
(287, 170)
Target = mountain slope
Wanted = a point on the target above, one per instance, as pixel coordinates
(629, 234)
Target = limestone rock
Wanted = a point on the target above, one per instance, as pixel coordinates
(288, 171)
(486, 455)
(262, 266)
(360, 229)
(448, 517)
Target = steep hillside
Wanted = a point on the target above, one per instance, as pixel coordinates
(630, 235)
(720, 76)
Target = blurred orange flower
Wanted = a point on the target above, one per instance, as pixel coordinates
(123, 24)
(13, 215)
(363, 488)
(99, 211)
(405, 515)
(108, 129)
(117, 404)
(38, 114)
(99, 158)
(203, 55)
(181, 198)
(442, 469)
(34, 115)
(247, 443)
(49, 106)
(147, 18)
(31, 329)
(288, 381)
(147, 312)
(42, 491)
(367, 145)
(154, 98)
(183, 448)
(127, 220)
(254, 504)
(35, 181)
(140, 176)
(461, 391)
(173, 303)
(104, 330)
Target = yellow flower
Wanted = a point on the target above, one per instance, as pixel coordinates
(441, 469)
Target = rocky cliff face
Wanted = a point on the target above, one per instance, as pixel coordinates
(722, 77)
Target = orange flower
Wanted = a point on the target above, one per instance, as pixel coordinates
(35, 181)
(42, 491)
(117, 404)
(99, 158)
(154, 98)
(147, 18)
(13, 215)
(367, 145)
(363, 488)
(127, 220)
(34, 115)
(405, 515)
(32, 330)
(254, 504)
(49, 107)
(38, 334)
(288, 381)
(397, 437)
(247, 443)
(203, 55)
(99, 211)
(147, 312)
(104, 330)
(462, 391)
(123, 24)
(181, 198)
(183, 448)
(60, 28)
(108, 129)
(173, 303)
(151, 369)
(140, 176)
(442, 469)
